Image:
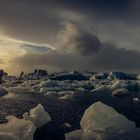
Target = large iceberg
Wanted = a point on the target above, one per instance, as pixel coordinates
(101, 122)
(23, 129)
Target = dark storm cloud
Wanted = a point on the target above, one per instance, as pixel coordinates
(107, 6)
(39, 21)
(78, 49)
(109, 58)
(75, 39)
(53, 61)
(112, 58)
(28, 19)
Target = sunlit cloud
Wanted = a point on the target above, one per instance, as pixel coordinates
(11, 48)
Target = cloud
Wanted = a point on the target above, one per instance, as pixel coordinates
(112, 58)
(52, 61)
(34, 48)
(35, 23)
(74, 39)
(109, 58)
(76, 48)
(38, 20)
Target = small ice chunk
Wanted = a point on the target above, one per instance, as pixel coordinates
(66, 97)
(48, 83)
(17, 129)
(38, 116)
(65, 92)
(3, 91)
(50, 93)
(67, 125)
(101, 88)
(74, 135)
(136, 100)
(23, 129)
(119, 84)
(121, 92)
(11, 95)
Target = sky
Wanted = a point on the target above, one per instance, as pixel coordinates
(94, 35)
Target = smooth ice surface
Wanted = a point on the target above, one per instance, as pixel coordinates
(101, 122)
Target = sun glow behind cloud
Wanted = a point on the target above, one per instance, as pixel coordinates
(11, 48)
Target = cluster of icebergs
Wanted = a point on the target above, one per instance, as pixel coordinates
(61, 88)
(100, 122)
(66, 84)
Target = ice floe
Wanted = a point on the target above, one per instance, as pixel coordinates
(23, 129)
(121, 92)
(3, 91)
(101, 122)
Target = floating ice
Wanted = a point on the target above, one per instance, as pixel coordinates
(121, 92)
(50, 93)
(74, 135)
(119, 76)
(3, 91)
(101, 122)
(17, 129)
(65, 92)
(69, 76)
(38, 116)
(119, 84)
(48, 83)
(19, 89)
(23, 129)
(11, 95)
(99, 76)
(44, 90)
(102, 88)
(66, 97)
(130, 85)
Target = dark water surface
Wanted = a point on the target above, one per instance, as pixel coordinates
(66, 111)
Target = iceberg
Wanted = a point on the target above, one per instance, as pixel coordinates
(3, 91)
(23, 129)
(101, 122)
(38, 116)
(17, 129)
